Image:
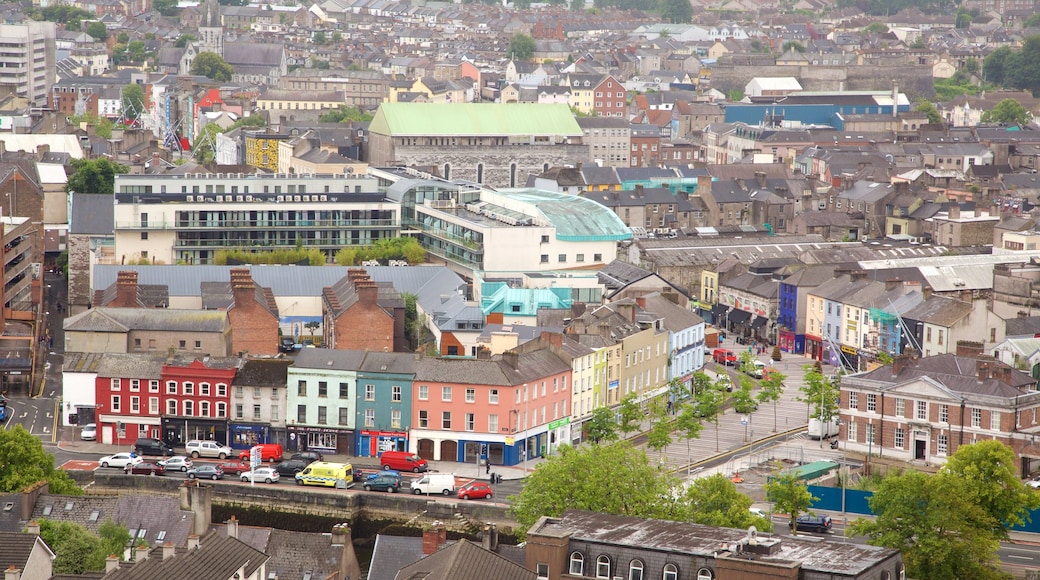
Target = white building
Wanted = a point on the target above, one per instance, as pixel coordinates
(28, 62)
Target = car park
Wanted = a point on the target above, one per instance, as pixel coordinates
(89, 432)
(387, 483)
(144, 468)
(206, 471)
(177, 463)
(816, 524)
(264, 474)
(119, 460)
(476, 490)
(291, 467)
(203, 448)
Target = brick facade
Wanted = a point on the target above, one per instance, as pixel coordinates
(253, 316)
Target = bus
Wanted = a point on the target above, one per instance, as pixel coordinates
(3, 408)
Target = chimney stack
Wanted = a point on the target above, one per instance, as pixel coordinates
(111, 563)
(489, 540)
(511, 358)
(141, 553)
(193, 542)
(434, 538)
(349, 566)
(33, 528)
(641, 302)
(126, 290)
(926, 291)
(954, 213)
(243, 289)
(12, 573)
(168, 550)
(760, 176)
(969, 348)
(893, 283)
(232, 527)
(552, 338)
(367, 291)
(627, 310)
(983, 364)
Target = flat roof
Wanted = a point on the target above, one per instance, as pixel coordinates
(503, 119)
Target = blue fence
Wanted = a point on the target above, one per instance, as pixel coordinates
(830, 499)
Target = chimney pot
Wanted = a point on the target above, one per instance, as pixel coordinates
(111, 563)
(12, 573)
(434, 538)
(193, 542)
(141, 553)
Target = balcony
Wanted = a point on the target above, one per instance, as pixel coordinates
(256, 224)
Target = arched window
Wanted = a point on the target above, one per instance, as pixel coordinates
(670, 572)
(635, 570)
(577, 564)
(480, 173)
(447, 171)
(902, 572)
(603, 567)
(886, 575)
(705, 574)
(545, 167)
(512, 175)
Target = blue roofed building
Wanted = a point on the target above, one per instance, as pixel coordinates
(816, 108)
(502, 304)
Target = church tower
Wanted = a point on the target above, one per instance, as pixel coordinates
(211, 31)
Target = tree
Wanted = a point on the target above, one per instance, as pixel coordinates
(521, 47)
(743, 401)
(184, 39)
(320, 38)
(136, 51)
(989, 469)
(123, 38)
(1023, 67)
(615, 479)
(577, 5)
(77, 550)
(601, 426)
(165, 7)
(716, 501)
(699, 382)
(1032, 22)
(94, 175)
(629, 415)
(337, 38)
(708, 405)
(971, 66)
(660, 435)
(930, 519)
(345, 114)
(23, 462)
(771, 388)
(876, 28)
(688, 426)
(929, 109)
(1008, 111)
(210, 64)
(793, 45)
(98, 30)
(819, 394)
(133, 101)
(312, 326)
(675, 11)
(995, 65)
(790, 496)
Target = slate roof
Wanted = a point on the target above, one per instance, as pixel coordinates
(15, 548)
(523, 332)
(329, 359)
(618, 274)
(939, 310)
(957, 373)
(391, 553)
(263, 372)
(673, 317)
(244, 54)
(131, 366)
(156, 514)
(1022, 326)
(294, 554)
(465, 560)
(216, 557)
(126, 319)
(532, 366)
(148, 295)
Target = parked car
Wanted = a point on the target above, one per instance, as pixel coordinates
(145, 468)
(387, 483)
(291, 467)
(152, 446)
(308, 456)
(200, 448)
(1034, 483)
(89, 432)
(177, 463)
(268, 452)
(403, 461)
(287, 344)
(119, 460)
(758, 512)
(724, 382)
(817, 524)
(387, 472)
(264, 474)
(234, 467)
(475, 490)
(724, 356)
(206, 471)
(757, 369)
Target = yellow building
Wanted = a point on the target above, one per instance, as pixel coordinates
(435, 91)
(262, 149)
(279, 100)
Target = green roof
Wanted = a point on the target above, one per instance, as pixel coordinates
(488, 119)
(576, 219)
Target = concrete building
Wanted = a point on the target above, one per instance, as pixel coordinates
(361, 88)
(125, 330)
(607, 138)
(28, 63)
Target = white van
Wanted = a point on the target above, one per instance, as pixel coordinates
(430, 483)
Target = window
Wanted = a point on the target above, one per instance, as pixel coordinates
(670, 572)
(994, 420)
(493, 423)
(853, 433)
(344, 391)
(204, 389)
(900, 407)
(493, 397)
(256, 413)
(853, 400)
(704, 574)
(579, 257)
(542, 571)
(470, 421)
(344, 416)
(301, 388)
(395, 418)
(203, 408)
(135, 405)
(941, 444)
(370, 392)
(544, 259)
(870, 433)
(900, 438)
(115, 384)
(135, 385)
(922, 409)
(395, 393)
(153, 405)
(222, 390)
(577, 567)
(603, 567)
(171, 407)
(424, 419)
(153, 386)
(545, 239)
(189, 408)
(301, 413)
(976, 417)
(323, 389)
(871, 402)
(115, 403)
(635, 570)
(424, 392)
(562, 258)
(597, 257)
(445, 419)
(446, 393)
(471, 395)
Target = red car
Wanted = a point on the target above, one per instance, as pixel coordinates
(475, 490)
(145, 468)
(234, 467)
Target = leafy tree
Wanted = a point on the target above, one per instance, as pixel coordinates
(210, 64)
(63, 13)
(971, 66)
(98, 30)
(136, 51)
(73, 546)
(383, 250)
(793, 45)
(771, 388)
(23, 462)
(345, 114)
(688, 426)
(963, 20)
(735, 95)
(165, 7)
(133, 101)
(708, 405)
(577, 5)
(989, 467)
(995, 65)
(699, 382)
(743, 401)
(521, 46)
(1007, 111)
(1023, 69)
(929, 109)
(601, 426)
(337, 38)
(320, 38)
(94, 176)
(184, 39)
(715, 501)
(819, 394)
(931, 520)
(660, 435)
(629, 415)
(789, 495)
(676, 11)
(614, 479)
(876, 28)
(1032, 22)
(123, 38)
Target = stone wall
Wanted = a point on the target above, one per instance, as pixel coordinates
(79, 273)
(497, 161)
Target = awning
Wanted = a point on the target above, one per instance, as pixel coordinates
(759, 322)
(739, 316)
(719, 310)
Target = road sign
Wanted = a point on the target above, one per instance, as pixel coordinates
(254, 457)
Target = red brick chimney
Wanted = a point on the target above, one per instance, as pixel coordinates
(355, 274)
(243, 289)
(434, 538)
(552, 338)
(982, 368)
(641, 301)
(126, 290)
(367, 291)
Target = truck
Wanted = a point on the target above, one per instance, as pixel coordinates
(820, 430)
(338, 475)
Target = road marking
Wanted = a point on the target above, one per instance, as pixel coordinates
(46, 430)
(51, 394)
(24, 414)
(49, 415)
(1020, 557)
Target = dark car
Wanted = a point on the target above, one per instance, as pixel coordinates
(144, 468)
(387, 483)
(150, 446)
(291, 467)
(817, 524)
(287, 344)
(206, 471)
(308, 456)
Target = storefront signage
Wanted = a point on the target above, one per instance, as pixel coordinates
(847, 349)
(384, 433)
(559, 423)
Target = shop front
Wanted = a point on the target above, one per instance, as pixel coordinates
(791, 342)
(849, 357)
(179, 430)
(246, 435)
(814, 347)
(373, 442)
(324, 439)
(738, 325)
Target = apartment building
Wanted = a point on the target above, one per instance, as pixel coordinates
(361, 88)
(608, 139)
(189, 217)
(27, 61)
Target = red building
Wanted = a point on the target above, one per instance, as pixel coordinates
(646, 144)
(128, 398)
(195, 399)
(610, 98)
